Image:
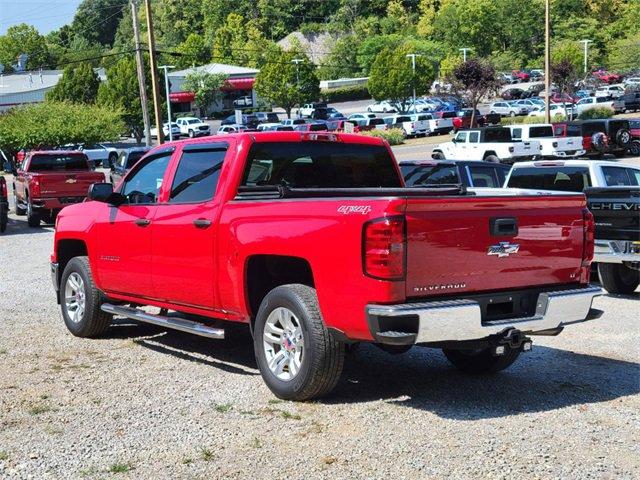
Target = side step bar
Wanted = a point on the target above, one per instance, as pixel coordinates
(176, 323)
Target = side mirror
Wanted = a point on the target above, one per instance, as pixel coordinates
(103, 192)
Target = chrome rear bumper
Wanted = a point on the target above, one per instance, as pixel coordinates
(616, 251)
(461, 320)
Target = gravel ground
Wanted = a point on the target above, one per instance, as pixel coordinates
(146, 403)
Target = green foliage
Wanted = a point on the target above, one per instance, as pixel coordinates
(206, 87)
(239, 42)
(97, 20)
(286, 84)
(194, 52)
(371, 47)
(49, 124)
(342, 61)
(343, 94)
(530, 120)
(21, 39)
(624, 54)
(595, 113)
(569, 50)
(395, 136)
(392, 76)
(121, 93)
(78, 84)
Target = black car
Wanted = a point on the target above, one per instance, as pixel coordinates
(126, 160)
(514, 94)
(421, 173)
(266, 117)
(631, 101)
(250, 121)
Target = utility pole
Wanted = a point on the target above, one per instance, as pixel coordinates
(166, 87)
(547, 62)
(154, 73)
(464, 53)
(586, 52)
(413, 78)
(141, 80)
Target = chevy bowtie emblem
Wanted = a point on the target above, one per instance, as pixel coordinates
(71, 180)
(503, 249)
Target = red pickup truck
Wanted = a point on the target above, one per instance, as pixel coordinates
(313, 240)
(48, 180)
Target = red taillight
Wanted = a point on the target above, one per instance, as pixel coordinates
(35, 187)
(384, 248)
(589, 234)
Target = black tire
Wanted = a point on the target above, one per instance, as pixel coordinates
(323, 356)
(3, 218)
(33, 218)
(438, 156)
(623, 138)
(492, 159)
(94, 321)
(191, 134)
(618, 278)
(634, 148)
(479, 362)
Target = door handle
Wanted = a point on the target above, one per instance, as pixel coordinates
(142, 222)
(202, 223)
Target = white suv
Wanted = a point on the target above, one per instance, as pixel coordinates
(504, 109)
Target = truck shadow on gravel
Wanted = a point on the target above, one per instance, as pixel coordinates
(20, 227)
(543, 380)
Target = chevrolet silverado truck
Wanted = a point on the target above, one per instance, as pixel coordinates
(48, 180)
(552, 147)
(313, 241)
(613, 196)
(491, 144)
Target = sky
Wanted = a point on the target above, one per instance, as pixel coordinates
(44, 15)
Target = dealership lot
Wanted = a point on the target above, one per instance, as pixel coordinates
(157, 400)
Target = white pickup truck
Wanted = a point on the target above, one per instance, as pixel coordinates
(552, 147)
(436, 125)
(491, 144)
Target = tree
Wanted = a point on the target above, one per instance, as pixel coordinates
(342, 61)
(476, 78)
(25, 39)
(121, 93)
(564, 75)
(50, 124)
(97, 20)
(372, 46)
(392, 76)
(206, 87)
(193, 52)
(79, 84)
(624, 54)
(286, 84)
(427, 10)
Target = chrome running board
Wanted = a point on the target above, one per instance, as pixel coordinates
(175, 323)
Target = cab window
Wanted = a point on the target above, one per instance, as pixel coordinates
(144, 182)
(474, 137)
(516, 133)
(197, 175)
(461, 137)
(483, 176)
(620, 176)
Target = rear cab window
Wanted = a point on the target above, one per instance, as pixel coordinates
(566, 179)
(487, 176)
(57, 163)
(319, 164)
(621, 176)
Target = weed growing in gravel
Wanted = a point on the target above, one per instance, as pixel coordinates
(120, 467)
(274, 401)
(4, 455)
(89, 472)
(39, 408)
(256, 443)
(206, 454)
(187, 460)
(3, 351)
(223, 407)
(289, 415)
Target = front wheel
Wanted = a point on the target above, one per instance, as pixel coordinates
(438, 156)
(478, 362)
(618, 278)
(80, 300)
(297, 356)
(191, 134)
(492, 159)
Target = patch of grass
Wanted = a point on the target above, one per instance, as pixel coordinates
(187, 460)
(40, 408)
(223, 407)
(120, 467)
(247, 412)
(206, 454)
(3, 351)
(290, 416)
(4, 455)
(275, 401)
(89, 472)
(256, 442)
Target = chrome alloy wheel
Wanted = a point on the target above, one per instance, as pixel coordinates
(283, 343)
(74, 297)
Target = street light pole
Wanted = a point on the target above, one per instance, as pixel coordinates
(464, 53)
(166, 88)
(586, 52)
(413, 65)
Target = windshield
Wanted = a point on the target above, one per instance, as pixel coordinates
(51, 163)
(567, 179)
(320, 165)
(192, 121)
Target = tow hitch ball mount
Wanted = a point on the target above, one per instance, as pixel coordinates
(512, 339)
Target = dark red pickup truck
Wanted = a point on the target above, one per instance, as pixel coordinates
(313, 240)
(48, 180)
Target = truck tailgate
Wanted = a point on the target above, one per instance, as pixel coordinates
(616, 211)
(452, 248)
(68, 183)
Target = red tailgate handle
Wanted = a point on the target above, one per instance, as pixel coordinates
(501, 227)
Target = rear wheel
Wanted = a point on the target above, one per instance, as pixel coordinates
(634, 148)
(438, 156)
(512, 114)
(478, 362)
(80, 300)
(297, 356)
(618, 278)
(33, 218)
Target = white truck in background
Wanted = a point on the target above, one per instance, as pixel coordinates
(552, 147)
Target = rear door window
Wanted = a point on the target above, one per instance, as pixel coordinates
(620, 176)
(429, 174)
(197, 174)
(565, 179)
(486, 176)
